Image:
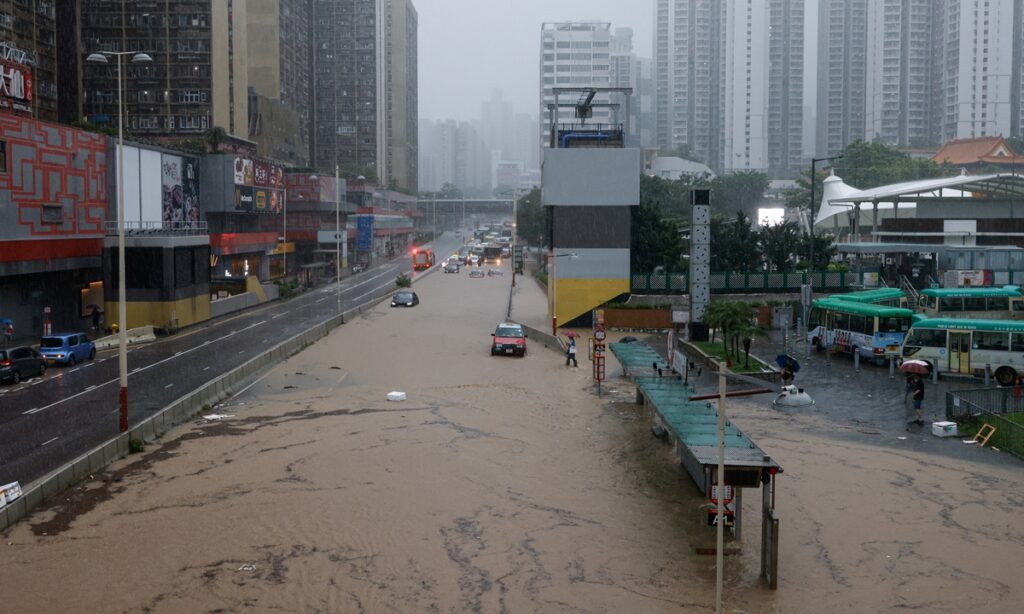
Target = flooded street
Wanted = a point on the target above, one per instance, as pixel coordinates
(501, 485)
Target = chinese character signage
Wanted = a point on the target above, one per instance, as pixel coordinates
(15, 87)
(259, 186)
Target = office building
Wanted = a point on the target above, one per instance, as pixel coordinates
(842, 74)
(198, 78)
(365, 103)
(280, 78)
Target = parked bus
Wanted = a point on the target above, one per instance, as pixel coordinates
(890, 297)
(960, 345)
(1006, 303)
(874, 331)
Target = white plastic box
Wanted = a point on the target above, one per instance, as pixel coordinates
(944, 429)
(396, 396)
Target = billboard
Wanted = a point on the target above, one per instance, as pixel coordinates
(15, 87)
(259, 186)
(364, 233)
(179, 181)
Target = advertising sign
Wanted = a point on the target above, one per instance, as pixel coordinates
(243, 171)
(15, 87)
(364, 233)
(190, 189)
(260, 198)
(260, 174)
(243, 198)
(173, 199)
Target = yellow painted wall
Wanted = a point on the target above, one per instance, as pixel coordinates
(188, 311)
(575, 297)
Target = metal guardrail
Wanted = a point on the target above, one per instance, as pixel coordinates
(645, 283)
(991, 406)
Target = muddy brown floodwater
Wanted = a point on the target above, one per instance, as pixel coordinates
(500, 485)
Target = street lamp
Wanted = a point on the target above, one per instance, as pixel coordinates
(810, 266)
(122, 307)
(337, 232)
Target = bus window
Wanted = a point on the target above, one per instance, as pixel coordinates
(927, 337)
(974, 303)
(842, 321)
(893, 325)
(947, 303)
(857, 324)
(998, 303)
(991, 341)
(1017, 342)
(1017, 304)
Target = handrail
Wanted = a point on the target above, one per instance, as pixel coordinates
(910, 290)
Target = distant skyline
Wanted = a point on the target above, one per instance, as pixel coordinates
(467, 48)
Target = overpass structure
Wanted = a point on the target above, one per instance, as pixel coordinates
(449, 213)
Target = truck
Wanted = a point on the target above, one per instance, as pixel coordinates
(422, 259)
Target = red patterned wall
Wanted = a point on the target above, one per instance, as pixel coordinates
(54, 182)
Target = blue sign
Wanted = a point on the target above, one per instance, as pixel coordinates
(364, 233)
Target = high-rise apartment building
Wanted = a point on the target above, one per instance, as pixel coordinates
(454, 153)
(365, 101)
(730, 82)
(842, 74)
(28, 55)
(280, 71)
(573, 54)
(197, 80)
(627, 70)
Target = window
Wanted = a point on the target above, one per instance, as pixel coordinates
(990, 341)
(999, 303)
(53, 214)
(974, 303)
(950, 304)
(893, 325)
(3, 156)
(927, 338)
(1017, 342)
(841, 321)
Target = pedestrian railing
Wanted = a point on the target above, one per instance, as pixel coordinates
(1003, 408)
(729, 282)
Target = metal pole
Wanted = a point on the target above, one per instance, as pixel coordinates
(337, 232)
(122, 306)
(720, 495)
(284, 246)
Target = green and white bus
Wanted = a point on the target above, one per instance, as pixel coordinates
(959, 345)
(873, 331)
(1006, 303)
(889, 297)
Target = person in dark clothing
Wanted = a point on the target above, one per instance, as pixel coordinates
(95, 319)
(570, 353)
(917, 389)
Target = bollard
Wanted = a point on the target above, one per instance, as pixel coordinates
(988, 374)
(892, 367)
(935, 374)
(856, 360)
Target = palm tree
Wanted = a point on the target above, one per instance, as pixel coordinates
(729, 316)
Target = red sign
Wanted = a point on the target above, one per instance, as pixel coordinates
(261, 174)
(15, 87)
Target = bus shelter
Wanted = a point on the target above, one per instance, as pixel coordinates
(693, 429)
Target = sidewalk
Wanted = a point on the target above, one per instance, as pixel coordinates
(530, 303)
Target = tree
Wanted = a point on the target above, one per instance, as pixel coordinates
(671, 197)
(738, 191)
(655, 241)
(449, 191)
(727, 316)
(824, 251)
(213, 137)
(531, 220)
(779, 244)
(734, 244)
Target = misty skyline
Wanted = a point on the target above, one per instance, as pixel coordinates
(470, 47)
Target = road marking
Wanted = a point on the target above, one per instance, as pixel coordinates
(206, 368)
(168, 386)
(320, 300)
(73, 370)
(86, 366)
(50, 441)
(136, 370)
(90, 388)
(277, 316)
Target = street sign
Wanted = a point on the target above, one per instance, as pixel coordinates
(599, 334)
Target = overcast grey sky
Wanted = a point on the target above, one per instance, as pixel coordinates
(469, 47)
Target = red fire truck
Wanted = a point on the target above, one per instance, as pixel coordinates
(422, 259)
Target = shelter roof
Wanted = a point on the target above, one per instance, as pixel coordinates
(1006, 185)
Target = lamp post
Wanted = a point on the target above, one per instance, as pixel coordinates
(284, 245)
(122, 307)
(337, 232)
(810, 265)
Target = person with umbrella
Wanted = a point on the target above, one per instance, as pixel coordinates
(789, 367)
(915, 385)
(570, 350)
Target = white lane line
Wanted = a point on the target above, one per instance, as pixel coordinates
(390, 283)
(277, 316)
(73, 370)
(168, 386)
(206, 368)
(86, 366)
(155, 364)
(320, 300)
(136, 369)
(90, 388)
(50, 441)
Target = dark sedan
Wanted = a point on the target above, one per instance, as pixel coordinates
(405, 299)
(17, 363)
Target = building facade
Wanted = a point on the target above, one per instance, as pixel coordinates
(28, 47)
(198, 78)
(365, 102)
(280, 77)
(842, 74)
(573, 54)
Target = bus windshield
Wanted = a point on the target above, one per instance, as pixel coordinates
(893, 325)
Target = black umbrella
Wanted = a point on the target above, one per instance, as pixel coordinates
(782, 360)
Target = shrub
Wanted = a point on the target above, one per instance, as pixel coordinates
(135, 446)
(403, 281)
(542, 277)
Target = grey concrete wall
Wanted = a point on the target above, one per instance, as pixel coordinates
(233, 303)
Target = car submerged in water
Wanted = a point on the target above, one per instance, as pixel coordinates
(508, 339)
(405, 298)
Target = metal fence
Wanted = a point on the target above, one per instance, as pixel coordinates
(991, 406)
(672, 283)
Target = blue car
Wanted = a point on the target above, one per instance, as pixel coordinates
(66, 348)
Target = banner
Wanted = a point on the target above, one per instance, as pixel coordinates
(243, 198)
(364, 233)
(261, 174)
(243, 171)
(173, 199)
(190, 189)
